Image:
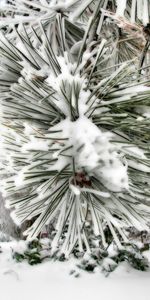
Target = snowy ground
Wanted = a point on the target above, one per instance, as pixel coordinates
(51, 280)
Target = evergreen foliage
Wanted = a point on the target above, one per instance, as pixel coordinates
(75, 126)
(36, 251)
(32, 254)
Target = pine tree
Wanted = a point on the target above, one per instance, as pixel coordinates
(75, 125)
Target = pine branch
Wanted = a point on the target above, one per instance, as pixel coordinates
(74, 132)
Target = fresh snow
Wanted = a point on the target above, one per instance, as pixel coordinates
(121, 6)
(2, 2)
(52, 280)
(90, 148)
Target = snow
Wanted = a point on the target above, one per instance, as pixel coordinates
(142, 11)
(87, 144)
(91, 150)
(135, 151)
(139, 166)
(35, 144)
(75, 189)
(68, 78)
(84, 145)
(2, 3)
(80, 9)
(64, 4)
(144, 110)
(53, 280)
(121, 6)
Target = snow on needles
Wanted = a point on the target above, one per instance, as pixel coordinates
(92, 151)
(121, 6)
(68, 144)
(82, 141)
(138, 8)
